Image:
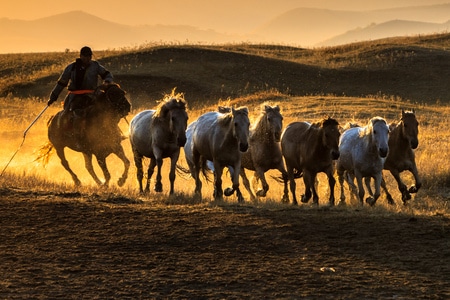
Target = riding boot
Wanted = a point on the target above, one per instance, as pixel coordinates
(79, 129)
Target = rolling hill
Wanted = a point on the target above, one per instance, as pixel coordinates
(415, 69)
(305, 27)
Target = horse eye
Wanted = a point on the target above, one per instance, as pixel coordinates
(374, 132)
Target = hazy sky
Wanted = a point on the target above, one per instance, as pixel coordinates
(205, 14)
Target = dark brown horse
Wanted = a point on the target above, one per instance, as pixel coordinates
(310, 149)
(100, 134)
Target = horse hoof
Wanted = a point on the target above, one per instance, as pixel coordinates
(260, 193)
(228, 191)
(304, 200)
(406, 196)
(285, 199)
(342, 203)
(121, 182)
(158, 188)
(413, 189)
(371, 201)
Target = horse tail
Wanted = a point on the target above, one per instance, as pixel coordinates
(297, 174)
(183, 171)
(44, 154)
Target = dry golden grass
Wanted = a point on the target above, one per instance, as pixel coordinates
(431, 156)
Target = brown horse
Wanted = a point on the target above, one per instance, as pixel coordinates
(403, 139)
(264, 151)
(158, 134)
(100, 136)
(310, 149)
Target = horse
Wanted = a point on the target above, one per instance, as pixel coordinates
(100, 135)
(310, 149)
(264, 151)
(403, 139)
(363, 151)
(159, 134)
(220, 138)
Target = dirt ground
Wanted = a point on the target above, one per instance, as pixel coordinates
(70, 245)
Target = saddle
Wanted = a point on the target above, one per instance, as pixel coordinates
(73, 118)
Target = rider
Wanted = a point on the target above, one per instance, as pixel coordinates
(81, 77)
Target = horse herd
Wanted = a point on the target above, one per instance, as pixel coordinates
(226, 139)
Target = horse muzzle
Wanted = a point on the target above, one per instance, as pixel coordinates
(383, 152)
(335, 155)
(181, 141)
(243, 147)
(414, 144)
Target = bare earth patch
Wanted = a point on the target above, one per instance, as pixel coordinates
(77, 246)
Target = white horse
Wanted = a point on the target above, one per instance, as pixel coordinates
(158, 134)
(363, 151)
(220, 138)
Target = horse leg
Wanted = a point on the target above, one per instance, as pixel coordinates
(401, 186)
(218, 193)
(139, 172)
(284, 174)
(150, 170)
(173, 166)
(361, 191)
(237, 169)
(102, 163)
(385, 189)
(90, 168)
(340, 174)
(158, 184)
(246, 183)
(120, 153)
(309, 185)
(196, 173)
(65, 164)
(331, 184)
(371, 201)
(415, 188)
(265, 186)
(292, 184)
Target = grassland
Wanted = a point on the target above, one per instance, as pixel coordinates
(63, 241)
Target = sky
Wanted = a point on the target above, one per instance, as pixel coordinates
(223, 16)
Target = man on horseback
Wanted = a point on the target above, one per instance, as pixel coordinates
(81, 78)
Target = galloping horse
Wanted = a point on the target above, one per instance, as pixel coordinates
(310, 149)
(101, 135)
(402, 140)
(220, 138)
(159, 134)
(264, 151)
(363, 151)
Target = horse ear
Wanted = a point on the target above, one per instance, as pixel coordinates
(276, 108)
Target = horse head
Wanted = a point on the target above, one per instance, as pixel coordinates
(379, 132)
(173, 109)
(241, 125)
(410, 128)
(330, 136)
(114, 97)
(274, 121)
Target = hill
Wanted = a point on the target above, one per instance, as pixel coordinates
(387, 29)
(414, 69)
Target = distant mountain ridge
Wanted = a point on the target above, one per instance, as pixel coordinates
(305, 27)
(66, 31)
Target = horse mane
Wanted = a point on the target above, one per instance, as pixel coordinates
(326, 121)
(169, 102)
(258, 125)
(368, 128)
(227, 115)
